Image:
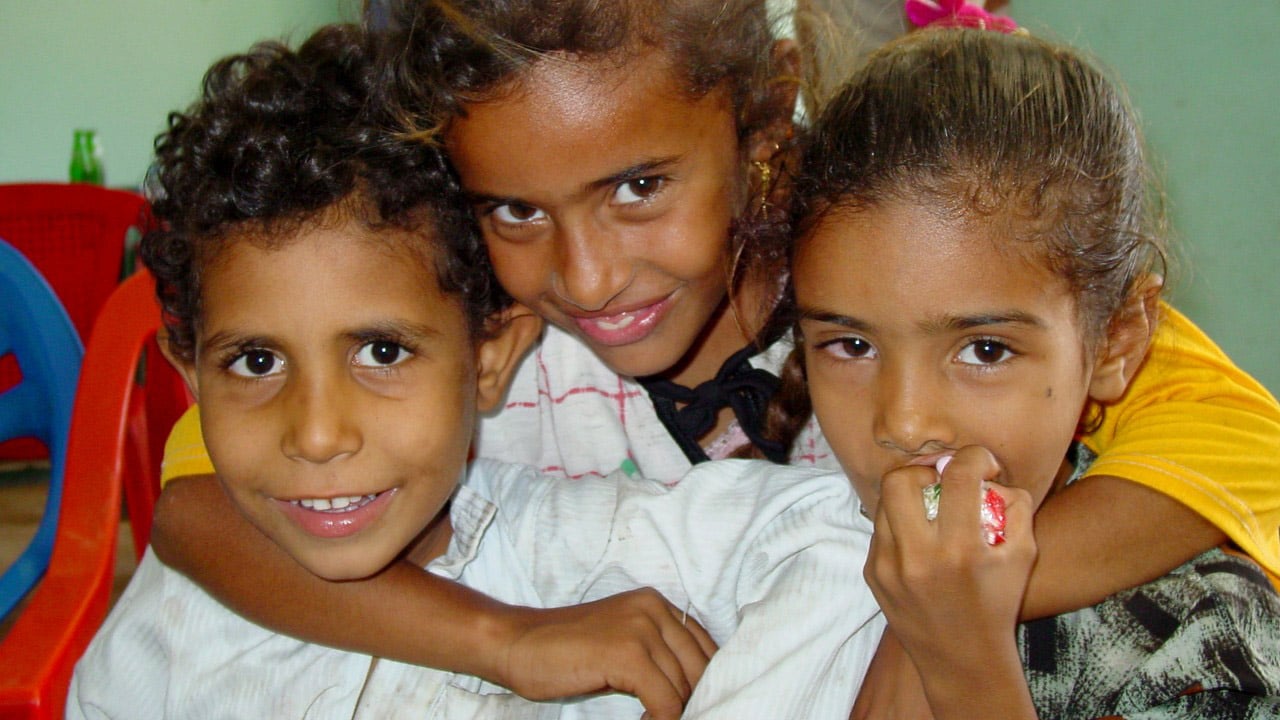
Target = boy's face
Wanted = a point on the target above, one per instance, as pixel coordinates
(338, 389)
(605, 196)
(921, 337)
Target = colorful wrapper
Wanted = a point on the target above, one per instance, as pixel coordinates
(992, 512)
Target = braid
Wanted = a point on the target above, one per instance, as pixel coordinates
(789, 408)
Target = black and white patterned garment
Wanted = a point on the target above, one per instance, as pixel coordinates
(1200, 642)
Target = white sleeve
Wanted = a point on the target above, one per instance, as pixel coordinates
(169, 650)
(123, 672)
(767, 558)
(808, 625)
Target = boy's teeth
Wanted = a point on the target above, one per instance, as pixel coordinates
(337, 503)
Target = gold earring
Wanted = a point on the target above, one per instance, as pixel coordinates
(766, 177)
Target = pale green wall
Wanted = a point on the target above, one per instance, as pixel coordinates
(1205, 77)
(119, 66)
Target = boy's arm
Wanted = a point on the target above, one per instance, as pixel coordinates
(407, 614)
(1104, 534)
(1185, 461)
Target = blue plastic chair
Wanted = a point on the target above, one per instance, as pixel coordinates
(35, 328)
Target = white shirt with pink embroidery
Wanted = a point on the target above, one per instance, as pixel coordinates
(568, 414)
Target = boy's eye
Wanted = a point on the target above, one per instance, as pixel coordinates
(984, 352)
(381, 353)
(256, 364)
(517, 213)
(638, 190)
(849, 347)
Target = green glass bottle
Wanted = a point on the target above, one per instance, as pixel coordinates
(86, 158)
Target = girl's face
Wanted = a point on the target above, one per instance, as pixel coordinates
(605, 195)
(337, 388)
(922, 335)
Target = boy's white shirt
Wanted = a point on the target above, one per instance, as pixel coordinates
(768, 559)
(566, 413)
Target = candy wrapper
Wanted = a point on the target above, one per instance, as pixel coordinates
(992, 512)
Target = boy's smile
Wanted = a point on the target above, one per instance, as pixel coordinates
(923, 335)
(337, 388)
(605, 195)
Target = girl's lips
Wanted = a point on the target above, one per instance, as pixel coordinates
(938, 461)
(624, 327)
(329, 522)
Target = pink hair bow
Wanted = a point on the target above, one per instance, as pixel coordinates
(956, 13)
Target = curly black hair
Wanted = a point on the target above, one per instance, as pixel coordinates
(281, 136)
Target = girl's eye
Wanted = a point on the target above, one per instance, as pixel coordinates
(381, 353)
(638, 190)
(984, 352)
(517, 214)
(849, 348)
(256, 364)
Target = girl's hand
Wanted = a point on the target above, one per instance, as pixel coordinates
(635, 642)
(951, 598)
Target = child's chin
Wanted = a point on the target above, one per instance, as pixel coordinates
(327, 564)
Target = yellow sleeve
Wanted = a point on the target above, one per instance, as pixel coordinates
(1197, 428)
(184, 451)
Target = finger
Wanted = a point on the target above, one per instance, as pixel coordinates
(881, 569)
(691, 643)
(658, 638)
(974, 461)
(661, 687)
(959, 509)
(902, 501)
(1019, 514)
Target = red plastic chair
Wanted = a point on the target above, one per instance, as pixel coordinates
(75, 236)
(111, 451)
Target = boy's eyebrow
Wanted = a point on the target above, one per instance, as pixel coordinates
(228, 340)
(393, 329)
(632, 172)
(379, 330)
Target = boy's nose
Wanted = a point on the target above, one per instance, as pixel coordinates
(592, 267)
(321, 426)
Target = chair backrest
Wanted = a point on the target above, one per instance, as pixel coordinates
(75, 236)
(36, 332)
(110, 452)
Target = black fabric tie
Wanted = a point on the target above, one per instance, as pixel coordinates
(744, 389)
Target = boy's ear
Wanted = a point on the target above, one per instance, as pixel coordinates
(1128, 338)
(185, 368)
(498, 355)
(780, 105)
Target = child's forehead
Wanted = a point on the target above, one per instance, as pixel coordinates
(570, 85)
(1006, 232)
(915, 253)
(319, 275)
(413, 250)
